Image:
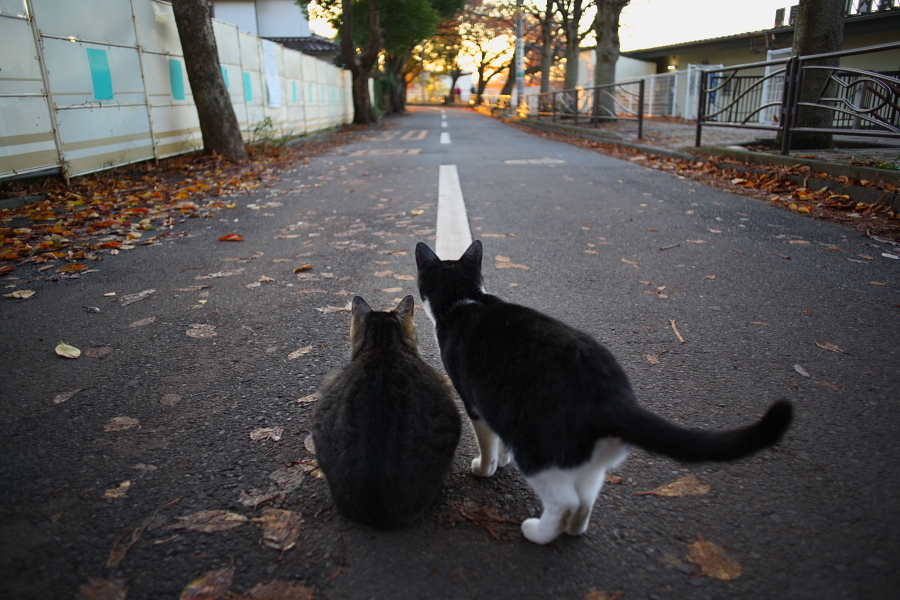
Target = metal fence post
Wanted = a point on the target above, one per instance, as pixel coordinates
(701, 106)
(788, 105)
(640, 135)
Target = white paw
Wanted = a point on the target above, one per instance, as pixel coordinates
(531, 529)
(485, 471)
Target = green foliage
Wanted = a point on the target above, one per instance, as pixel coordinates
(264, 133)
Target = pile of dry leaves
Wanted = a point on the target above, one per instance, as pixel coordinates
(135, 205)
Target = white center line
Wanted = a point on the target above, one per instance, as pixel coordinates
(453, 235)
(445, 138)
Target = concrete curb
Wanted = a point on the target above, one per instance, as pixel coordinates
(749, 158)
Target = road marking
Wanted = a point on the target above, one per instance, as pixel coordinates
(415, 134)
(385, 151)
(453, 235)
(534, 161)
(385, 136)
(444, 124)
(445, 138)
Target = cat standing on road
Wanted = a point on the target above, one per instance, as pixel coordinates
(553, 399)
(386, 427)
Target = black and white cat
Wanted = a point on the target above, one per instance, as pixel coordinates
(552, 399)
(385, 428)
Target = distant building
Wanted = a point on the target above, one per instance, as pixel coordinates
(281, 21)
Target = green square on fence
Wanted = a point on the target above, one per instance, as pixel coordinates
(294, 89)
(225, 77)
(177, 78)
(248, 87)
(101, 76)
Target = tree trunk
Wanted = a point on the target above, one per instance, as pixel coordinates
(546, 47)
(606, 29)
(819, 28)
(218, 123)
(360, 65)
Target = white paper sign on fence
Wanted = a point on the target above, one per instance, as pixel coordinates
(273, 79)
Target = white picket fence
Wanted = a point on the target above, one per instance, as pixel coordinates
(87, 85)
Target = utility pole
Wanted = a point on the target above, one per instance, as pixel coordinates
(520, 55)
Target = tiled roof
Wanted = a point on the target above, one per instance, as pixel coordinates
(315, 45)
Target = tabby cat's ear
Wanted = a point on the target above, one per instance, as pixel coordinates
(473, 254)
(406, 308)
(359, 307)
(425, 255)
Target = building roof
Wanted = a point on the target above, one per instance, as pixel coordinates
(314, 45)
(775, 37)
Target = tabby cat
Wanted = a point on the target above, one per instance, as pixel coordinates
(385, 428)
(552, 399)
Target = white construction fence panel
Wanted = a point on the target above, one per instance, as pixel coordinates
(79, 93)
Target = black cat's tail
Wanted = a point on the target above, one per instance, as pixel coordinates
(653, 433)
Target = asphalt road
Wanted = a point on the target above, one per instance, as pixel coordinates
(762, 298)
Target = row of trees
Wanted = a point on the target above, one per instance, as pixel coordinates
(394, 39)
(452, 33)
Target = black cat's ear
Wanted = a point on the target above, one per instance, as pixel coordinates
(359, 307)
(425, 255)
(473, 254)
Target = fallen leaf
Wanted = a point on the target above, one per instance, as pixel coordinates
(392, 290)
(801, 370)
(67, 351)
(211, 586)
(98, 352)
(280, 590)
(309, 444)
(170, 399)
(696, 241)
(325, 310)
(877, 283)
(209, 521)
(711, 560)
(231, 237)
(310, 398)
(73, 268)
(799, 242)
(616, 479)
(413, 277)
(288, 478)
(298, 353)
(102, 589)
(142, 322)
(132, 298)
(193, 288)
(281, 528)
(311, 466)
(302, 268)
(830, 347)
(255, 498)
(60, 398)
(501, 258)
(20, 294)
(121, 424)
(265, 279)
(483, 516)
(710, 276)
(833, 386)
(266, 433)
(417, 212)
(201, 330)
(384, 273)
(677, 333)
(653, 359)
(714, 230)
(630, 262)
(596, 594)
(689, 485)
(118, 492)
(759, 323)
(510, 265)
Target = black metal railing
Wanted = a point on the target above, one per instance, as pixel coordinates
(859, 102)
(589, 106)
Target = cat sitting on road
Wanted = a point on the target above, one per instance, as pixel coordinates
(552, 399)
(386, 427)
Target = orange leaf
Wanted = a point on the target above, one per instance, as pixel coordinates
(6, 269)
(73, 268)
(231, 237)
(709, 557)
(112, 244)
